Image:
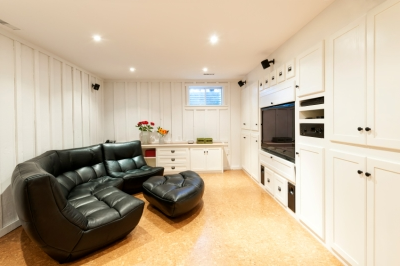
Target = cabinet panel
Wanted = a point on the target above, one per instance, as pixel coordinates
(383, 70)
(349, 206)
(197, 159)
(346, 76)
(311, 70)
(311, 175)
(245, 105)
(269, 180)
(254, 107)
(383, 212)
(214, 159)
(254, 165)
(245, 151)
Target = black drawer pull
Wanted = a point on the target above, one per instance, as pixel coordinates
(279, 188)
(173, 159)
(280, 73)
(289, 69)
(172, 151)
(266, 81)
(273, 77)
(268, 180)
(172, 167)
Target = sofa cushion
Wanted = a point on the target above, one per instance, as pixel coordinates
(93, 186)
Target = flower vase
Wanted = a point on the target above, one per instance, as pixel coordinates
(144, 137)
(161, 140)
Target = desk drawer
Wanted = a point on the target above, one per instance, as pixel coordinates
(172, 160)
(174, 167)
(172, 152)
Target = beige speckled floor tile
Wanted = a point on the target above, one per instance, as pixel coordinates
(237, 223)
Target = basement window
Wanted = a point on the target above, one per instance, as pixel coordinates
(205, 95)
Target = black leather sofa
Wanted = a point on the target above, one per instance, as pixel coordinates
(70, 205)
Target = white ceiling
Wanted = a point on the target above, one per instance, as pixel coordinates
(162, 39)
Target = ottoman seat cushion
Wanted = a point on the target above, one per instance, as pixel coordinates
(174, 194)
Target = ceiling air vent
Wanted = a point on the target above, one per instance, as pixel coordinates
(8, 25)
(209, 74)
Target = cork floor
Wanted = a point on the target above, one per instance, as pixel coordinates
(237, 223)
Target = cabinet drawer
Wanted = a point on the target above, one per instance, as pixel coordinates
(172, 151)
(174, 167)
(280, 189)
(281, 166)
(172, 159)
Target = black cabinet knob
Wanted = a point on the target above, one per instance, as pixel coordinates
(271, 157)
(244, 137)
(279, 188)
(367, 174)
(273, 78)
(173, 159)
(256, 140)
(280, 73)
(244, 123)
(256, 124)
(360, 172)
(272, 103)
(359, 128)
(297, 86)
(289, 69)
(297, 152)
(173, 151)
(172, 167)
(367, 129)
(268, 180)
(266, 81)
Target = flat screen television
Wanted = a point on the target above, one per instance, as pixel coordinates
(277, 131)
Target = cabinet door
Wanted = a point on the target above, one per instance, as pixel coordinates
(269, 179)
(197, 159)
(245, 105)
(254, 165)
(346, 75)
(214, 159)
(254, 107)
(383, 220)
(311, 179)
(349, 206)
(245, 150)
(311, 70)
(383, 108)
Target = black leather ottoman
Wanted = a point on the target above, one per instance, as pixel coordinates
(174, 194)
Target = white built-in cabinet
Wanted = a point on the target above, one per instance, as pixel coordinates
(310, 70)
(206, 159)
(245, 150)
(311, 187)
(254, 165)
(365, 209)
(249, 101)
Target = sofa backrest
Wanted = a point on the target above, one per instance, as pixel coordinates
(79, 165)
(121, 157)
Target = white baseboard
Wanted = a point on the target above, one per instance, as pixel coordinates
(236, 167)
(9, 228)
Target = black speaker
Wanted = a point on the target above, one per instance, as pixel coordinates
(96, 86)
(266, 64)
(241, 83)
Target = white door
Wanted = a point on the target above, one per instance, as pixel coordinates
(214, 159)
(310, 70)
(383, 220)
(254, 107)
(198, 159)
(346, 83)
(349, 206)
(312, 192)
(254, 166)
(245, 150)
(383, 108)
(245, 105)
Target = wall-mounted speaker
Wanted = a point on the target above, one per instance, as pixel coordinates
(266, 64)
(241, 83)
(96, 86)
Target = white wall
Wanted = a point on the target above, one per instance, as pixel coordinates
(46, 103)
(333, 18)
(164, 103)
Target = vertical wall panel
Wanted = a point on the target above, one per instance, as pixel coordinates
(77, 108)
(132, 116)
(7, 122)
(93, 113)
(109, 111)
(85, 110)
(26, 131)
(144, 101)
(120, 112)
(177, 111)
(43, 136)
(211, 127)
(188, 121)
(199, 124)
(100, 113)
(56, 106)
(68, 133)
(166, 111)
(224, 125)
(154, 98)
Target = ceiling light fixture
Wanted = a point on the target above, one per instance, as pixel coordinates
(131, 69)
(205, 69)
(214, 39)
(97, 38)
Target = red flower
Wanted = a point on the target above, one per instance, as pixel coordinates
(145, 122)
(140, 123)
(152, 123)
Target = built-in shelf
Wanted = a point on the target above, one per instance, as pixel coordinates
(310, 121)
(312, 107)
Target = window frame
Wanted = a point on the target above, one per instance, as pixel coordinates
(223, 93)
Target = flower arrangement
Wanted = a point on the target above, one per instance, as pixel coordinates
(162, 131)
(145, 126)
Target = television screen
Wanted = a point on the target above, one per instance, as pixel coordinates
(277, 131)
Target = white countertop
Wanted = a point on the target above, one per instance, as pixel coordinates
(184, 144)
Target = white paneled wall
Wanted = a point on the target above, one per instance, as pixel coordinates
(46, 103)
(164, 103)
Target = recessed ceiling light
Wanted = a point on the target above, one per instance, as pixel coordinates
(214, 39)
(97, 38)
(205, 69)
(131, 69)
